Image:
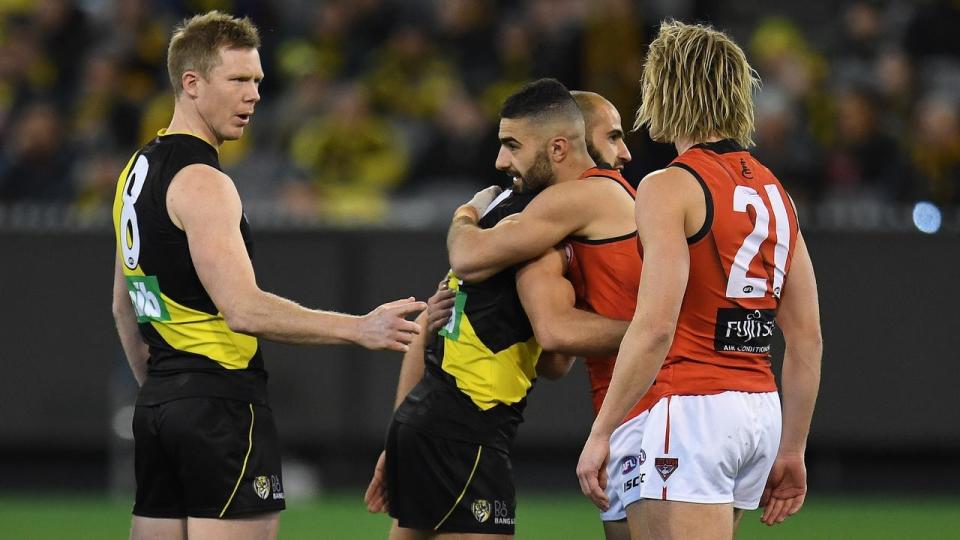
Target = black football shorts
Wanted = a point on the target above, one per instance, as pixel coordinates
(206, 457)
(437, 484)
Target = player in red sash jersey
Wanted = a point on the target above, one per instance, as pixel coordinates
(723, 263)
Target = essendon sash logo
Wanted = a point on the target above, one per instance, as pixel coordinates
(744, 330)
(665, 466)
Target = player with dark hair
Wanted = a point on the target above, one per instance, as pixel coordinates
(447, 466)
(189, 311)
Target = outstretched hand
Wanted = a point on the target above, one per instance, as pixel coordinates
(386, 327)
(785, 491)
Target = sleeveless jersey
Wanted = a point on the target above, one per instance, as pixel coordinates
(738, 262)
(192, 350)
(605, 275)
(482, 364)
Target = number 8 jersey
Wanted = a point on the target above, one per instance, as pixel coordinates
(738, 263)
(192, 350)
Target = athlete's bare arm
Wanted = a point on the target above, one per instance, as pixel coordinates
(204, 203)
(132, 342)
(411, 372)
(798, 316)
(549, 300)
(569, 208)
(665, 201)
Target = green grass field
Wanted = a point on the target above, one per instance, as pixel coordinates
(342, 516)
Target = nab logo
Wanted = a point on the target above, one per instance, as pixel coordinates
(744, 170)
(481, 510)
(146, 299)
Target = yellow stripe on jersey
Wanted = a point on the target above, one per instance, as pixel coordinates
(196, 332)
(193, 331)
(490, 378)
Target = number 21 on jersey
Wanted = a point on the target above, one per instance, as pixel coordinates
(739, 283)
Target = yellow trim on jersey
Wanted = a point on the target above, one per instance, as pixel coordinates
(162, 132)
(118, 203)
(490, 378)
(464, 492)
(243, 469)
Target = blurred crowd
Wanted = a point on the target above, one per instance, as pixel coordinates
(370, 102)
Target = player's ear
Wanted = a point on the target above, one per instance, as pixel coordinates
(190, 81)
(558, 149)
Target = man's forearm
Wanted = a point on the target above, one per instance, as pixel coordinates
(411, 370)
(275, 318)
(582, 333)
(801, 384)
(459, 238)
(134, 348)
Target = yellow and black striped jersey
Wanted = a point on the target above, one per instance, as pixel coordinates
(192, 350)
(482, 364)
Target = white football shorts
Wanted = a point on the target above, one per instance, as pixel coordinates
(623, 465)
(702, 449)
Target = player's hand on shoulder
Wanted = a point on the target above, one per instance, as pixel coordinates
(482, 199)
(376, 495)
(786, 489)
(440, 307)
(386, 327)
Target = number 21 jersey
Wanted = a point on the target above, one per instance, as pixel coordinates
(738, 264)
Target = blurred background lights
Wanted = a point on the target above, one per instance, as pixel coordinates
(926, 217)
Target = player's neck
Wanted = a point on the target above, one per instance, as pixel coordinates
(186, 120)
(682, 145)
(574, 167)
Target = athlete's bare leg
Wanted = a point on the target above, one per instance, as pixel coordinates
(400, 533)
(737, 516)
(669, 520)
(145, 528)
(617, 530)
(257, 527)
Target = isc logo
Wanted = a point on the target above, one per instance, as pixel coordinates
(146, 299)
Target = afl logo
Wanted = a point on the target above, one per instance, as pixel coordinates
(629, 463)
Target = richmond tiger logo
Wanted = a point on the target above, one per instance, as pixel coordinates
(262, 486)
(481, 510)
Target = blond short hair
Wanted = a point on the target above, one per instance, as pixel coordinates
(696, 84)
(196, 43)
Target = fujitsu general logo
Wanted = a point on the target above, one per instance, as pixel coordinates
(742, 330)
(754, 327)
